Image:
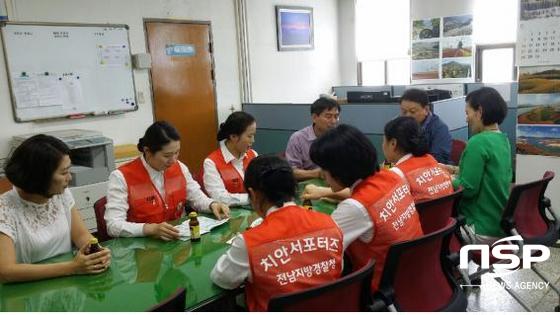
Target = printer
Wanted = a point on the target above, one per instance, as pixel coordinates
(91, 154)
(92, 161)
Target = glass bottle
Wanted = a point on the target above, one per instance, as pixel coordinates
(194, 226)
(93, 246)
(307, 204)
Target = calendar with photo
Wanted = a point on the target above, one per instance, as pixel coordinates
(538, 39)
(538, 43)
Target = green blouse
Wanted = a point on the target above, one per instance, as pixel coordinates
(485, 174)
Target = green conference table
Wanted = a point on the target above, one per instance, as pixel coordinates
(143, 272)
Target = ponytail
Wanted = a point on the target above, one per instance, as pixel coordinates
(273, 177)
(419, 144)
(140, 145)
(409, 135)
(157, 135)
(235, 124)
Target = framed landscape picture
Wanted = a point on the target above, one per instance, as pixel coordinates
(294, 27)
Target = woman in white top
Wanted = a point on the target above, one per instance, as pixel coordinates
(224, 169)
(145, 194)
(38, 217)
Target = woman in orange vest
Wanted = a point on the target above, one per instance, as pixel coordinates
(149, 191)
(224, 169)
(380, 211)
(291, 250)
(405, 146)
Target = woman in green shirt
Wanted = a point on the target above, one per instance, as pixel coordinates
(485, 171)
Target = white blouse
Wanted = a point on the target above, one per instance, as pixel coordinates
(39, 231)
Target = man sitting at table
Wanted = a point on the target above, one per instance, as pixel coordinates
(324, 113)
(281, 254)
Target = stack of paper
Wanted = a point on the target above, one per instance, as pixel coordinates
(206, 224)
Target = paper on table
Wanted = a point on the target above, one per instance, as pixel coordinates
(256, 222)
(253, 224)
(206, 224)
(230, 241)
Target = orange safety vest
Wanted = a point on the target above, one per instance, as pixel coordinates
(426, 178)
(231, 177)
(292, 250)
(390, 206)
(145, 203)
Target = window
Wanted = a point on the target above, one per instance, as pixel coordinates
(383, 41)
(398, 71)
(496, 63)
(372, 73)
(495, 33)
(495, 21)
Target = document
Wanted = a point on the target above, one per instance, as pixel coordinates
(36, 91)
(206, 224)
(113, 55)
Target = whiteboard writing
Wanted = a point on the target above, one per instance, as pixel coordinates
(59, 70)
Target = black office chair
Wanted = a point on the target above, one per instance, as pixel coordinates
(351, 293)
(417, 277)
(435, 214)
(528, 213)
(99, 209)
(175, 303)
(457, 148)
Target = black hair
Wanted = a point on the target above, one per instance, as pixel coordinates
(235, 124)
(33, 163)
(346, 153)
(416, 95)
(322, 104)
(157, 135)
(409, 135)
(494, 108)
(272, 176)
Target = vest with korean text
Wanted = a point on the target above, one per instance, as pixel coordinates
(293, 249)
(146, 205)
(387, 199)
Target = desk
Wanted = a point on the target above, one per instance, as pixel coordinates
(143, 272)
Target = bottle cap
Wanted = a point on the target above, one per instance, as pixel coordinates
(93, 240)
(192, 215)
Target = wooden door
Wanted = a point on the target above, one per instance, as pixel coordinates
(183, 87)
(5, 185)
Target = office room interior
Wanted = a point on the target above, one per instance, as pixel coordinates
(356, 49)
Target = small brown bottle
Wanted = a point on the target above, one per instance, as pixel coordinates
(194, 226)
(93, 246)
(307, 204)
(387, 165)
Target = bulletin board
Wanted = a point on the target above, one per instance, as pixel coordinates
(68, 70)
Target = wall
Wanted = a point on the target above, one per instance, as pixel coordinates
(532, 167)
(292, 76)
(436, 8)
(347, 42)
(127, 128)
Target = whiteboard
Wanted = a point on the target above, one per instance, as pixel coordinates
(68, 70)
